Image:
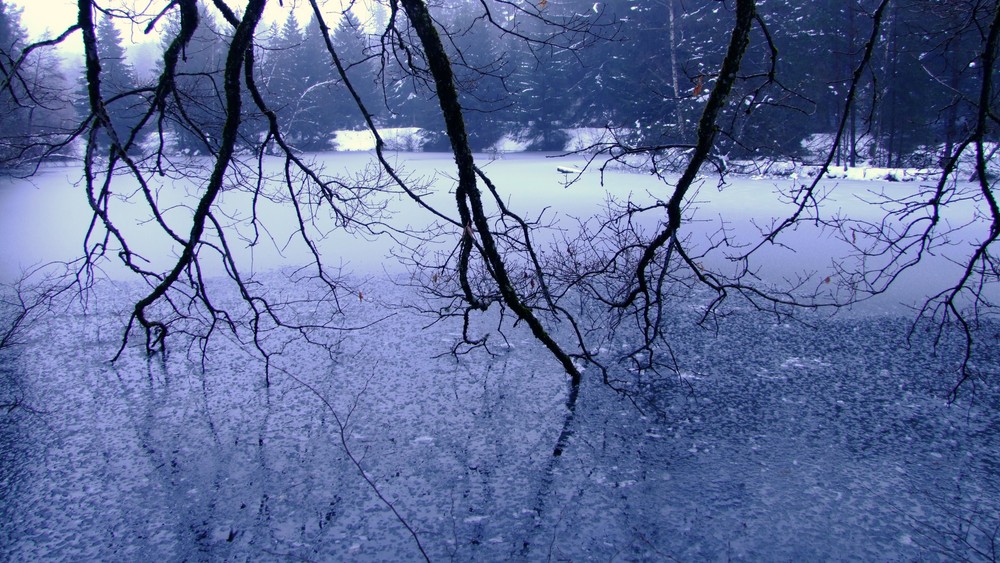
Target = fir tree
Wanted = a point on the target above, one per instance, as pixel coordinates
(198, 112)
(118, 81)
(351, 44)
(13, 97)
(315, 118)
(33, 103)
(284, 62)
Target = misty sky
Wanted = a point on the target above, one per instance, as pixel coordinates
(53, 16)
(37, 16)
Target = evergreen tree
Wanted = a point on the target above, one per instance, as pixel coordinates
(554, 86)
(118, 81)
(483, 72)
(283, 76)
(13, 97)
(33, 100)
(409, 96)
(117, 74)
(322, 102)
(521, 83)
(12, 35)
(809, 83)
(951, 61)
(929, 76)
(14, 101)
(317, 83)
(198, 112)
(351, 44)
(647, 94)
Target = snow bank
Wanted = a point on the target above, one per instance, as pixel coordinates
(577, 139)
(770, 168)
(967, 162)
(877, 173)
(580, 138)
(518, 141)
(410, 139)
(763, 168)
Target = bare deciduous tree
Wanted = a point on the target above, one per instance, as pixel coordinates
(628, 264)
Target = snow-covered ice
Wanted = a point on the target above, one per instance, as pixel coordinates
(826, 439)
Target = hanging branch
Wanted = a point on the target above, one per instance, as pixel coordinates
(807, 197)
(470, 205)
(707, 130)
(156, 331)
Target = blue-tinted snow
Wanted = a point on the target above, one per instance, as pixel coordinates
(826, 439)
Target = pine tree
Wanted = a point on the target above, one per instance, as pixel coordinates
(197, 114)
(351, 43)
(12, 36)
(409, 98)
(118, 81)
(929, 77)
(32, 96)
(323, 104)
(808, 87)
(483, 73)
(283, 76)
(649, 96)
(551, 79)
(13, 98)
(317, 83)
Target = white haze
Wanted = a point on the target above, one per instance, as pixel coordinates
(46, 217)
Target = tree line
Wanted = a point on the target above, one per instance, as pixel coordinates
(640, 68)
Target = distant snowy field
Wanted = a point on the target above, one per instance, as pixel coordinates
(825, 439)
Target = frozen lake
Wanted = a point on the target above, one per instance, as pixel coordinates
(46, 217)
(829, 438)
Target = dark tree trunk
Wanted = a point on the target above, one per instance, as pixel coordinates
(470, 204)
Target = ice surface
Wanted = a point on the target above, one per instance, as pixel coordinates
(826, 439)
(852, 449)
(45, 218)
